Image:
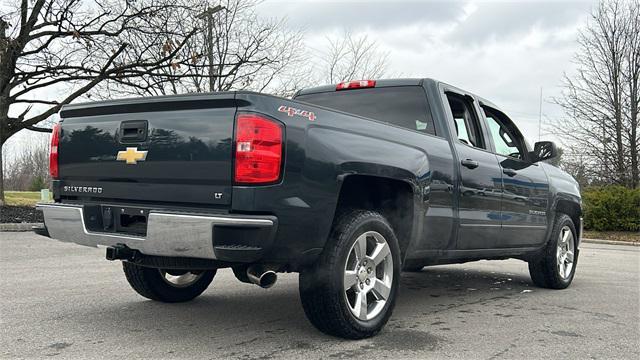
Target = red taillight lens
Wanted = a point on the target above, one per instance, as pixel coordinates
(53, 151)
(357, 84)
(258, 150)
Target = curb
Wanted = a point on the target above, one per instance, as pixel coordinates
(14, 227)
(611, 242)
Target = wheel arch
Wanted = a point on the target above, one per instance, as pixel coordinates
(571, 208)
(395, 199)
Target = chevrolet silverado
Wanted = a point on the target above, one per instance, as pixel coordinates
(347, 185)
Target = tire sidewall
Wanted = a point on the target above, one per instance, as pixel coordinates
(376, 223)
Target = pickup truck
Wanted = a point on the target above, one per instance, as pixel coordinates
(347, 185)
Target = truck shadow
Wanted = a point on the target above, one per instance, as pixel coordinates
(233, 320)
(441, 288)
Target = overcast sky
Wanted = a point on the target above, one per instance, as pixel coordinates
(503, 51)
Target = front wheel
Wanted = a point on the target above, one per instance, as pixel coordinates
(350, 292)
(555, 267)
(167, 285)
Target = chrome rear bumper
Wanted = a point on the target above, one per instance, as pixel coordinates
(168, 234)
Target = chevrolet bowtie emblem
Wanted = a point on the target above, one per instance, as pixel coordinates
(132, 155)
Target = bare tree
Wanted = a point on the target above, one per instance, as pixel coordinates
(580, 167)
(242, 51)
(29, 169)
(352, 57)
(602, 101)
(68, 47)
(251, 53)
(632, 89)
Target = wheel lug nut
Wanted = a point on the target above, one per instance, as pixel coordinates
(369, 270)
(364, 262)
(367, 281)
(361, 285)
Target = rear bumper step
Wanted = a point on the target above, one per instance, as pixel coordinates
(205, 236)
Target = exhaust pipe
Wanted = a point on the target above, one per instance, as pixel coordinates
(263, 278)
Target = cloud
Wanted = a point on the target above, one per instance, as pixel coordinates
(503, 51)
(504, 21)
(319, 16)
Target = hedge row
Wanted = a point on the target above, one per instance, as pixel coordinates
(611, 208)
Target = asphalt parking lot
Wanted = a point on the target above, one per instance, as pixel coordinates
(66, 301)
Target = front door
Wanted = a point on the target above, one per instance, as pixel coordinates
(525, 188)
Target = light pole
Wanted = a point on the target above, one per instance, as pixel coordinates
(540, 116)
(208, 15)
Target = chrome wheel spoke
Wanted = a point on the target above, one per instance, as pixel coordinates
(360, 247)
(380, 253)
(569, 256)
(381, 290)
(350, 279)
(360, 308)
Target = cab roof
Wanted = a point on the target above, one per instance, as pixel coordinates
(396, 82)
(379, 83)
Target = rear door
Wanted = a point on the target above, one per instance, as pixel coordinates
(167, 150)
(525, 187)
(479, 186)
(406, 106)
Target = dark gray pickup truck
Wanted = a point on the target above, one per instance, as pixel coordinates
(347, 185)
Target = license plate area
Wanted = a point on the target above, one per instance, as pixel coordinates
(116, 219)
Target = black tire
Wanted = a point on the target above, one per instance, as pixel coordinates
(149, 282)
(544, 269)
(321, 286)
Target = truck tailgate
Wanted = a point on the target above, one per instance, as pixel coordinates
(171, 150)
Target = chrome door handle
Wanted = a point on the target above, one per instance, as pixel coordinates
(468, 163)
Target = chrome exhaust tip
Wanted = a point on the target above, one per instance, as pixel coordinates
(262, 278)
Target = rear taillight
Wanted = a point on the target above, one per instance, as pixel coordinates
(258, 150)
(53, 151)
(357, 84)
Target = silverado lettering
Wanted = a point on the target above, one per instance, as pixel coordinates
(83, 189)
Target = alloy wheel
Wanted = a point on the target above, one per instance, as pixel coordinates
(565, 252)
(180, 280)
(368, 275)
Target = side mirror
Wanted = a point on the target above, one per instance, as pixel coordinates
(544, 150)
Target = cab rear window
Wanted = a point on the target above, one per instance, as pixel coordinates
(404, 106)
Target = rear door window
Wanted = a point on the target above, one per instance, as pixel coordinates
(404, 106)
(465, 121)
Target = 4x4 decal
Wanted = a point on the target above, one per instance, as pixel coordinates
(293, 111)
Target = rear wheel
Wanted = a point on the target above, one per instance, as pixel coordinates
(555, 267)
(167, 285)
(350, 292)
